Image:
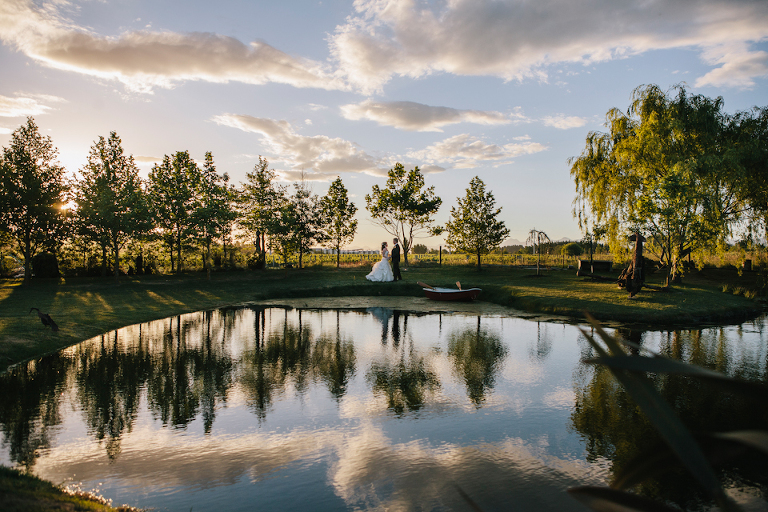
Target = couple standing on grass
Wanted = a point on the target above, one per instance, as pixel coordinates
(381, 271)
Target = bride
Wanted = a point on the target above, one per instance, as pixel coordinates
(381, 271)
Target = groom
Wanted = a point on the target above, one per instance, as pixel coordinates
(396, 259)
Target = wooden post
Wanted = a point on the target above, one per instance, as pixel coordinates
(441, 255)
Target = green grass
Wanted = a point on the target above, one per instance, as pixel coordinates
(86, 307)
(22, 492)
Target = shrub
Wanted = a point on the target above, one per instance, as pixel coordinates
(45, 264)
(572, 249)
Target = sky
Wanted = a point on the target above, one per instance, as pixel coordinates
(506, 90)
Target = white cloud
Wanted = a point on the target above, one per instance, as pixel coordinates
(5, 131)
(407, 115)
(147, 160)
(25, 106)
(319, 156)
(467, 152)
(520, 40)
(738, 67)
(563, 122)
(146, 59)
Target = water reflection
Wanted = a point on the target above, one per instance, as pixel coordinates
(405, 383)
(361, 409)
(30, 408)
(614, 428)
(477, 357)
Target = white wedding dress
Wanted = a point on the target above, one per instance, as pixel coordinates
(381, 271)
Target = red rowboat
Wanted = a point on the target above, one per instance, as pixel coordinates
(436, 293)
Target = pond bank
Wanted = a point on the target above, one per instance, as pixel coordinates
(87, 307)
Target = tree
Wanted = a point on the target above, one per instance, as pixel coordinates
(259, 203)
(308, 221)
(748, 135)
(473, 226)
(280, 227)
(32, 193)
(172, 188)
(338, 212)
(297, 224)
(536, 238)
(214, 213)
(404, 208)
(572, 249)
(665, 168)
(420, 249)
(111, 204)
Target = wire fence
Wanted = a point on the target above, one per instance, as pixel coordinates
(428, 260)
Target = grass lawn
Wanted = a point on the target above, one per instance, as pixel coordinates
(86, 307)
(21, 492)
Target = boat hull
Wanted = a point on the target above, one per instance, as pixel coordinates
(451, 294)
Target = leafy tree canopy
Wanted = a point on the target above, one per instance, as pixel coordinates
(474, 226)
(666, 167)
(111, 204)
(339, 213)
(32, 193)
(404, 208)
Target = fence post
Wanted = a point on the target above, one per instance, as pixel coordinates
(441, 256)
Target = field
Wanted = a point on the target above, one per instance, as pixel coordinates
(86, 307)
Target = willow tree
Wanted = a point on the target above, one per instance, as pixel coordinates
(404, 208)
(473, 226)
(339, 213)
(663, 168)
(749, 144)
(536, 238)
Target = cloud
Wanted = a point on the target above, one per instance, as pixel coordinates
(467, 152)
(147, 160)
(145, 59)
(407, 115)
(738, 67)
(25, 106)
(318, 156)
(521, 40)
(563, 122)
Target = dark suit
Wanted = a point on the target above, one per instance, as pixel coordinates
(396, 262)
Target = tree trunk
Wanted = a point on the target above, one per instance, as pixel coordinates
(178, 254)
(208, 256)
(338, 256)
(170, 251)
(103, 259)
(27, 257)
(116, 246)
(478, 261)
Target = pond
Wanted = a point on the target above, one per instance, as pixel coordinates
(275, 408)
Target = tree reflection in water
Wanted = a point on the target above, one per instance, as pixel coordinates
(29, 407)
(477, 357)
(614, 427)
(404, 383)
(108, 383)
(168, 374)
(333, 358)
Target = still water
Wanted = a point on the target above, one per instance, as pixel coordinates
(269, 408)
